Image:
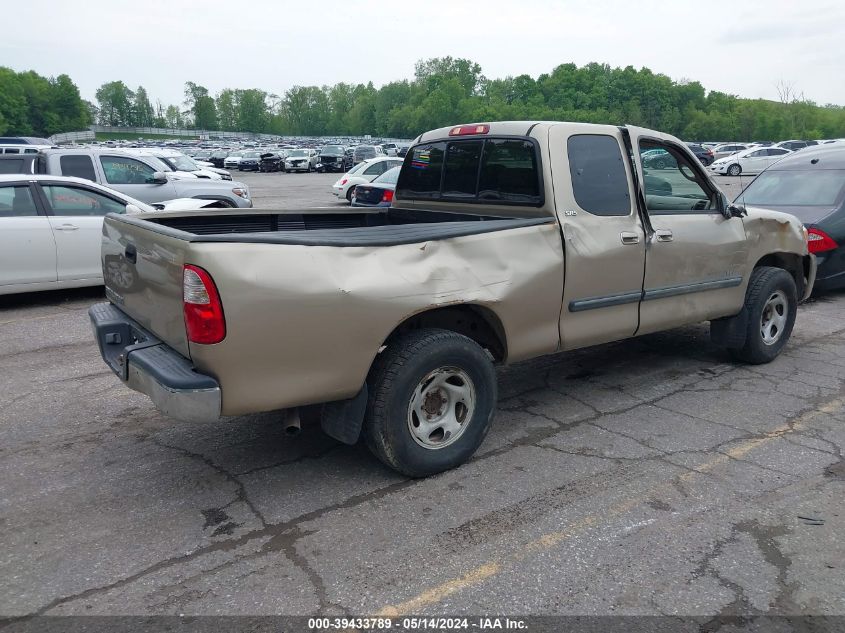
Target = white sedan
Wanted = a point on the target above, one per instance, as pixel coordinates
(749, 161)
(51, 229)
(362, 173)
(233, 160)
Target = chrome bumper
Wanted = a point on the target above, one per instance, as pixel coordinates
(149, 366)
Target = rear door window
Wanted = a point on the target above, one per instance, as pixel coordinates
(16, 201)
(11, 166)
(78, 201)
(599, 180)
(78, 165)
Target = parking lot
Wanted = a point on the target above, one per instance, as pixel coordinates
(649, 476)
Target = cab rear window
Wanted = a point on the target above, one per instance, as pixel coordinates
(494, 170)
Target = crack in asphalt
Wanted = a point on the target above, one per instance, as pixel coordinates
(284, 535)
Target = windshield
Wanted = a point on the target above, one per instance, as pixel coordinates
(365, 151)
(815, 188)
(251, 155)
(390, 177)
(332, 149)
(298, 152)
(181, 163)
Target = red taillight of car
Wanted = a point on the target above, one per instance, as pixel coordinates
(709, 152)
(344, 181)
(818, 241)
(204, 320)
(388, 196)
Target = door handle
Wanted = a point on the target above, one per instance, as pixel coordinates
(67, 227)
(663, 235)
(629, 237)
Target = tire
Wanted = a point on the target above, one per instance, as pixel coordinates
(734, 170)
(287, 171)
(408, 380)
(771, 298)
(659, 164)
(349, 195)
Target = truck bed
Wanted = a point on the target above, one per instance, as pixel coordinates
(313, 228)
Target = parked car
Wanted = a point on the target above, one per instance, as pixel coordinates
(469, 267)
(142, 177)
(363, 173)
(379, 193)
(795, 145)
(333, 158)
(181, 164)
(217, 158)
(233, 160)
(366, 152)
(810, 185)
(271, 161)
(301, 160)
(402, 151)
(250, 161)
(390, 149)
(703, 154)
(51, 228)
(658, 159)
(726, 149)
(749, 161)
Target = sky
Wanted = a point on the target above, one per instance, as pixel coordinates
(742, 47)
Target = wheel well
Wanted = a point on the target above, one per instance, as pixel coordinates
(476, 322)
(795, 265)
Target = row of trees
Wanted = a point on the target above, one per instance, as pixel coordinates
(443, 91)
(32, 105)
(446, 90)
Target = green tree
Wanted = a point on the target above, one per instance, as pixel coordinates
(115, 101)
(201, 106)
(142, 109)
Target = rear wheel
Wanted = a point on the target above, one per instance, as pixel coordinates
(771, 303)
(432, 397)
(349, 194)
(734, 170)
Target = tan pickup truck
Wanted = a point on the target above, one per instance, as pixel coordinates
(505, 241)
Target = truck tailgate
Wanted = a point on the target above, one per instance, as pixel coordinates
(142, 270)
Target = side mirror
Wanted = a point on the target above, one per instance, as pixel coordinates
(736, 211)
(158, 178)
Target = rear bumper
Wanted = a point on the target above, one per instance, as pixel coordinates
(149, 366)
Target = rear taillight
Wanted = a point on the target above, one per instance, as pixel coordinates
(204, 320)
(344, 181)
(818, 241)
(388, 196)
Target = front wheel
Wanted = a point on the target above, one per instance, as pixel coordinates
(432, 398)
(734, 170)
(771, 303)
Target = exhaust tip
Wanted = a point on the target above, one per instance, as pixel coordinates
(292, 423)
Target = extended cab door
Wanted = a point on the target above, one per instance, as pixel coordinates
(603, 236)
(695, 257)
(76, 216)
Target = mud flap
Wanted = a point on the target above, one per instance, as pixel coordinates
(343, 419)
(730, 332)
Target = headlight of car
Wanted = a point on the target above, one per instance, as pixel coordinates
(241, 192)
